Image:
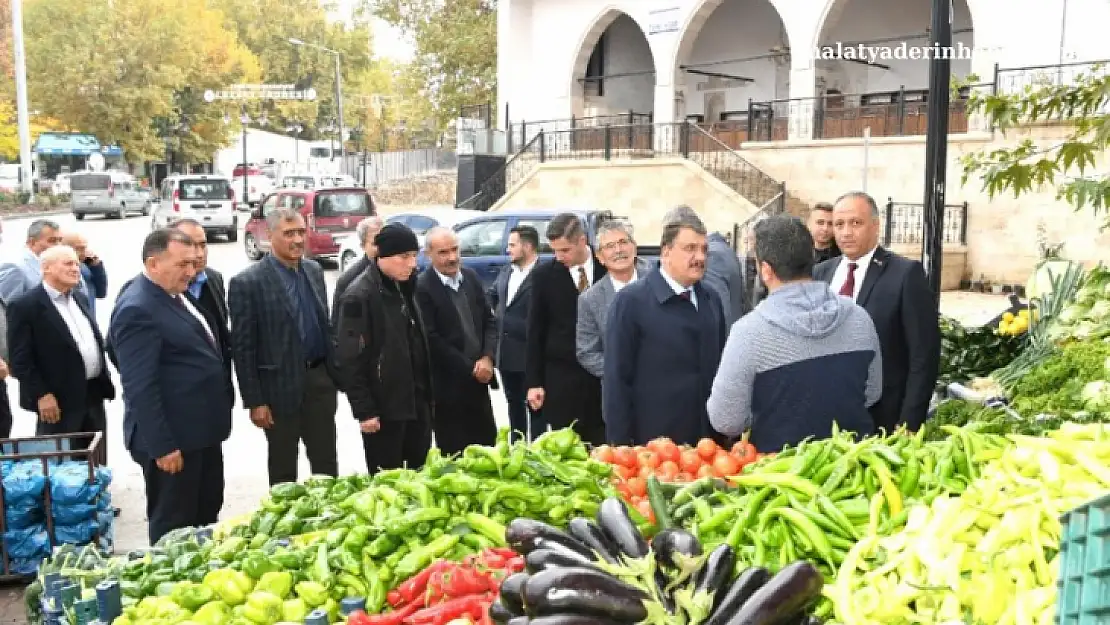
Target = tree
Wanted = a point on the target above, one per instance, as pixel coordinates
(1068, 164)
(455, 42)
(9, 129)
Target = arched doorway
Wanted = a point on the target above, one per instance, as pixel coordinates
(872, 67)
(731, 54)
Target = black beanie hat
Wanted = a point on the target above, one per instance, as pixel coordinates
(394, 240)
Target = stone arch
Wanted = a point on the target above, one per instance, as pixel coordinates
(833, 8)
(588, 41)
(690, 31)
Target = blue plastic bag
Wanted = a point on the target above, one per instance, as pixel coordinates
(23, 480)
(73, 513)
(104, 501)
(23, 513)
(32, 542)
(76, 534)
(69, 483)
(25, 566)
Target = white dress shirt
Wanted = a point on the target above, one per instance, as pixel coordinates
(679, 289)
(451, 282)
(516, 278)
(840, 276)
(79, 329)
(199, 317)
(618, 285)
(575, 271)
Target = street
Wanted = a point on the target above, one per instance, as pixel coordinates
(118, 243)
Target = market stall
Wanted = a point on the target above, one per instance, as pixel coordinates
(989, 514)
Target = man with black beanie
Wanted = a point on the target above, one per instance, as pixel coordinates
(383, 357)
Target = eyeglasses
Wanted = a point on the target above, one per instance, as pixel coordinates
(612, 245)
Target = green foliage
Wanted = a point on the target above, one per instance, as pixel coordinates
(455, 43)
(1068, 164)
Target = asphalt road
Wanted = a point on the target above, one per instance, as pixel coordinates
(118, 243)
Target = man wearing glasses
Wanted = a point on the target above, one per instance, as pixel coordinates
(618, 253)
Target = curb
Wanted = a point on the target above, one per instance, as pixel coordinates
(20, 215)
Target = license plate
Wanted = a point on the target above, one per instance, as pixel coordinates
(91, 198)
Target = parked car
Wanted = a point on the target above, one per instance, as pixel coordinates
(259, 185)
(330, 215)
(111, 193)
(207, 198)
(60, 185)
(420, 221)
(483, 240)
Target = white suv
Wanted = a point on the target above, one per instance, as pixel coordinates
(207, 198)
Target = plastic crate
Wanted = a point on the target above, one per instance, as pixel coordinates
(1084, 584)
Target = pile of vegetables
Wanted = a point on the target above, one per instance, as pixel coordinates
(968, 353)
(1088, 316)
(1071, 383)
(607, 573)
(670, 463)
(974, 416)
(987, 555)
(1015, 324)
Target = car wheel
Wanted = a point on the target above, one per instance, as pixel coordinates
(232, 235)
(121, 213)
(146, 209)
(345, 261)
(250, 246)
(79, 216)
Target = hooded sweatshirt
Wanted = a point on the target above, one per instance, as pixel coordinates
(805, 358)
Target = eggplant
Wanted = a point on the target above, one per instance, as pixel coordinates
(512, 592)
(574, 619)
(662, 595)
(588, 533)
(742, 588)
(519, 620)
(714, 574)
(500, 614)
(671, 544)
(613, 519)
(783, 598)
(555, 554)
(524, 536)
(583, 591)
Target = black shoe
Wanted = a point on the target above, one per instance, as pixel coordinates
(115, 512)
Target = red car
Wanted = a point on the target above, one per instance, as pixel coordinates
(330, 215)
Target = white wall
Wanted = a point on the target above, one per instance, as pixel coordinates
(626, 52)
(537, 58)
(261, 145)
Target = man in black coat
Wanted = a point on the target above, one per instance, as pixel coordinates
(557, 383)
(57, 352)
(894, 291)
(462, 336)
(383, 356)
(366, 230)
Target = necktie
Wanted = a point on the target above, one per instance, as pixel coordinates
(849, 288)
(685, 295)
(180, 301)
(583, 282)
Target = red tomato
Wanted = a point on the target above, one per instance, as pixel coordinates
(707, 449)
(624, 472)
(669, 452)
(646, 472)
(624, 456)
(745, 451)
(658, 444)
(706, 470)
(604, 453)
(667, 471)
(644, 508)
(725, 465)
(690, 461)
(637, 486)
(649, 459)
(684, 477)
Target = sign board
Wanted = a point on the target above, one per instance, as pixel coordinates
(261, 92)
(663, 20)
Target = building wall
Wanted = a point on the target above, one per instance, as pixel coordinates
(544, 44)
(626, 52)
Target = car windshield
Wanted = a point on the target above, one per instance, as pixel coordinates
(204, 189)
(343, 205)
(300, 182)
(90, 183)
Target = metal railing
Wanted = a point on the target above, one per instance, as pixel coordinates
(522, 132)
(734, 170)
(904, 223)
(481, 112)
(513, 171)
(373, 168)
(1018, 80)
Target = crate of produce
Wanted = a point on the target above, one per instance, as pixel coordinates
(1084, 584)
(53, 491)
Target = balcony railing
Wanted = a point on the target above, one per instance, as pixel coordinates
(1017, 80)
(904, 223)
(522, 132)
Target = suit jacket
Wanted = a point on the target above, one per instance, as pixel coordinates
(174, 380)
(512, 319)
(344, 281)
(45, 358)
(593, 307)
(445, 332)
(265, 338)
(897, 296)
(553, 325)
(650, 324)
(724, 275)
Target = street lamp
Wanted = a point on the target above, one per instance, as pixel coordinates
(296, 129)
(245, 119)
(338, 93)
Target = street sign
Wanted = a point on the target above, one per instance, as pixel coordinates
(261, 92)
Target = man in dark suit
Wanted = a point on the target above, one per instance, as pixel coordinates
(177, 407)
(820, 224)
(667, 317)
(366, 230)
(723, 272)
(462, 337)
(283, 352)
(556, 382)
(57, 353)
(510, 297)
(893, 290)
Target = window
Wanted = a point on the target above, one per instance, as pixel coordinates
(269, 205)
(541, 227)
(343, 205)
(300, 182)
(421, 224)
(485, 238)
(96, 182)
(205, 189)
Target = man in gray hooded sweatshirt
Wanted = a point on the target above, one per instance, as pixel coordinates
(805, 358)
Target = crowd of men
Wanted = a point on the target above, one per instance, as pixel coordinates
(835, 329)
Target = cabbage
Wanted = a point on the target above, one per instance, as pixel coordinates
(1084, 330)
(1088, 295)
(1106, 290)
(1096, 396)
(1071, 315)
(1099, 311)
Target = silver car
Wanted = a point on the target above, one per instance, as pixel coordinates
(111, 193)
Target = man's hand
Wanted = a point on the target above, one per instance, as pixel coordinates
(535, 398)
(48, 409)
(3, 369)
(370, 426)
(172, 462)
(483, 370)
(261, 417)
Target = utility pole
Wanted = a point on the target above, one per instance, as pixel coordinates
(22, 112)
(936, 143)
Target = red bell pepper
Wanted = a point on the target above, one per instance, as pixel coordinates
(449, 610)
(394, 599)
(414, 587)
(396, 617)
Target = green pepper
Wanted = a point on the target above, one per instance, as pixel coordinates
(177, 549)
(276, 583)
(294, 610)
(256, 564)
(263, 608)
(187, 562)
(421, 558)
(456, 484)
(340, 491)
(486, 527)
(375, 588)
(289, 525)
(264, 523)
(355, 586)
(287, 491)
(129, 588)
(191, 596)
(228, 549)
(336, 537)
(401, 526)
(313, 593)
(557, 443)
(152, 580)
(381, 546)
(364, 505)
(161, 561)
(230, 586)
(356, 538)
(133, 571)
(287, 560)
(214, 613)
(341, 559)
(319, 571)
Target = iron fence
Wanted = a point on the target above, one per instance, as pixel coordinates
(513, 171)
(373, 168)
(1018, 80)
(523, 132)
(480, 112)
(904, 223)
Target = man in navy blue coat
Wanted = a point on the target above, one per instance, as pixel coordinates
(663, 342)
(177, 397)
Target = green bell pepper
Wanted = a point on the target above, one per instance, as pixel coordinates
(382, 546)
(229, 585)
(294, 610)
(288, 560)
(214, 613)
(313, 593)
(263, 608)
(276, 583)
(356, 538)
(228, 549)
(187, 562)
(305, 508)
(289, 525)
(151, 581)
(256, 564)
(287, 491)
(176, 550)
(191, 596)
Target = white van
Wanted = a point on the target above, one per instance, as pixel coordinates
(111, 193)
(207, 198)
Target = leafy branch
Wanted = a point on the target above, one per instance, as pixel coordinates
(1068, 164)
